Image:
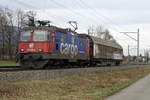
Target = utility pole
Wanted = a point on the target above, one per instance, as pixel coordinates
(137, 40)
(128, 51)
(88, 32)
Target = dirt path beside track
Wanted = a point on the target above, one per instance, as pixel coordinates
(138, 91)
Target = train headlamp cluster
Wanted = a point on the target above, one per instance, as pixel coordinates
(22, 50)
(40, 50)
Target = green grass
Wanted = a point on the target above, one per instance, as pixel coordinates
(8, 63)
(94, 86)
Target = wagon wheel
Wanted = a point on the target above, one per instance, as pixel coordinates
(117, 63)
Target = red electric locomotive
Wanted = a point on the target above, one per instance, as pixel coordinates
(43, 45)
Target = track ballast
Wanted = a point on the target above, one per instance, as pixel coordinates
(21, 75)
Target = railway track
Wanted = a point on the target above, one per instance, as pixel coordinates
(18, 68)
(20, 75)
(9, 67)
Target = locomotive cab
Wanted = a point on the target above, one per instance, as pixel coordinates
(36, 41)
(34, 47)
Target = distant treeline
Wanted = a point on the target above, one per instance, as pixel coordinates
(11, 22)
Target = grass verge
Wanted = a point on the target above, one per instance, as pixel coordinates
(94, 86)
(8, 63)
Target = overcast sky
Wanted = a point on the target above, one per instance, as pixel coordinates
(116, 15)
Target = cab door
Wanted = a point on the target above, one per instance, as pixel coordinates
(52, 40)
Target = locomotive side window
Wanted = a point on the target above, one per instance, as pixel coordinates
(53, 36)
(25, 36)
(48, 35)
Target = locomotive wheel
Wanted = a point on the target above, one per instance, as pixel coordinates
(39, 64)
(24, 64)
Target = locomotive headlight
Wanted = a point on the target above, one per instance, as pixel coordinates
(21, 50)
(40, 50)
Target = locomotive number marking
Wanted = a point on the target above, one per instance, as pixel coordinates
(68, 49)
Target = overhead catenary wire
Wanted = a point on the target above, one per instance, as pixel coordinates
(74, 12)
(98, 14)
(33, 7)
(59, 4)
(105, 17)
(24, 4)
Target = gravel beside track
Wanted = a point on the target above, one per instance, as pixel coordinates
(53, 73)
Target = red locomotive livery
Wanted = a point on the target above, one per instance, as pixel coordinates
(35, 45)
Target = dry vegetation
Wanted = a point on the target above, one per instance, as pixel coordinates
(79, 87)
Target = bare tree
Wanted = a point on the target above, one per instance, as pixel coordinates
(10, 25)
(106, 34)
(91, 31)
(2, 33)
(31, 18)
(6, 28)
(20, 21)
(24, 19)
(9, 32)
(101, 32)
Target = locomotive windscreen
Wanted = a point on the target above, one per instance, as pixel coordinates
(25, 36)
(38, 35)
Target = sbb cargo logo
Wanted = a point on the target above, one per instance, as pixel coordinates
(68, 49)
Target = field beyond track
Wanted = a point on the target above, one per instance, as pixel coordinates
(8, 63)
(78, 87)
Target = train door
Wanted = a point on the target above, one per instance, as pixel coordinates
(52, 40)
(82, 46)
(57, 43)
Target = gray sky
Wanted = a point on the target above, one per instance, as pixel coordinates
(116, 15)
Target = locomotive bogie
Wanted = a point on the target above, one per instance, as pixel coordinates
(33, 60)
